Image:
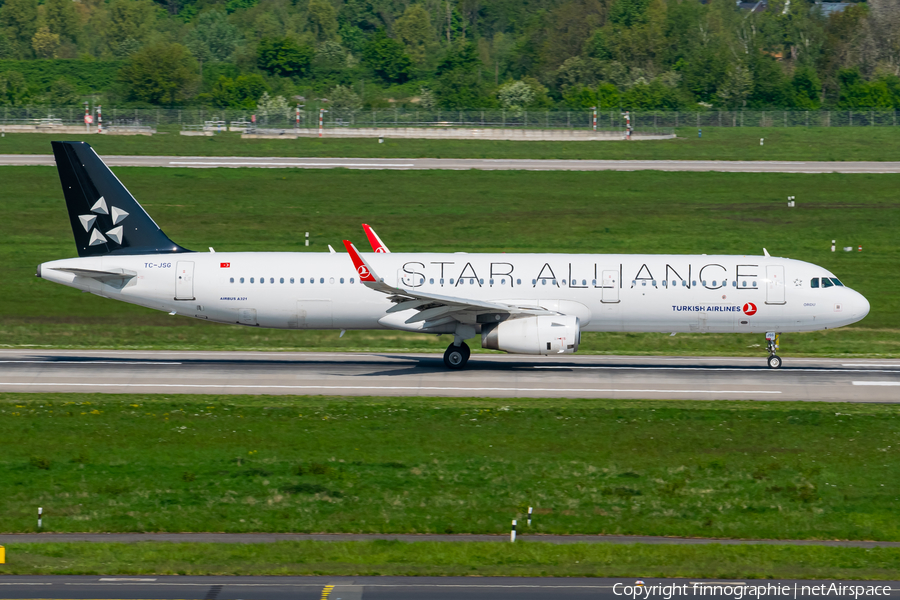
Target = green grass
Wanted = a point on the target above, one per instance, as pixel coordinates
(838, 143)
(268, 210)
(449, 558)
(311, 464)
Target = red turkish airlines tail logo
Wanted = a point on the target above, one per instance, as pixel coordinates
(749, 309)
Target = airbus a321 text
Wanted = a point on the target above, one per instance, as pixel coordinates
(520, 303)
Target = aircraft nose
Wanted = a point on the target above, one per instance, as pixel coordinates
(860, 306)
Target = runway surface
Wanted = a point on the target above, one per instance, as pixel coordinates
(404, 164)
(487, 375)
(269, 538)
(399, 588)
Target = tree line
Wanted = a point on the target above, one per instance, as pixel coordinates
(452, 54)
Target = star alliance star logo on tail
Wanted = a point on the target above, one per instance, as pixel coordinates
(116, 234)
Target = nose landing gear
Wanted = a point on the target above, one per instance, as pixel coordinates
(456, 356)
(774, 360)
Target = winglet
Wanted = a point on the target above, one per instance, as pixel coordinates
(366, 275)
(375, 241)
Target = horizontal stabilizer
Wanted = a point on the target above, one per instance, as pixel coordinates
(102, 276)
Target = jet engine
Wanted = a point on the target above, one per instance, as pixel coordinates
(546, 334)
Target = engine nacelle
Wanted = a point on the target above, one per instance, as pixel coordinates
(546, 334)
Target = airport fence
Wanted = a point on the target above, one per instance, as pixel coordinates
(606, 120)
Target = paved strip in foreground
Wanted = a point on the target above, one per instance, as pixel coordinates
(219, 587)
(268, 538)
(487, 375)
(404, 164)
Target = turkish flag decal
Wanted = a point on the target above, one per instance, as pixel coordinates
(224, 265)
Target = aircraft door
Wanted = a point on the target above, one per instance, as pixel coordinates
(610, 293)
(775, 284)
(184, 284)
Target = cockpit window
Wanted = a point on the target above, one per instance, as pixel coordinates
(826, 282)
(814, 282)
(837, 281)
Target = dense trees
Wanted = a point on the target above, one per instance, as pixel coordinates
(457, 54)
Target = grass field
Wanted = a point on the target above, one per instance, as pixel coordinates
(861, 143)
(311, 464)
(653, 212)
(448, 558)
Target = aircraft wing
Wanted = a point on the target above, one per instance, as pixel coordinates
(436, 309)
(377, 245)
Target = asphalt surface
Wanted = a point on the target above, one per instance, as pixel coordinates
(269, 538)
(402, 588)
(403, 164)
(487, 375)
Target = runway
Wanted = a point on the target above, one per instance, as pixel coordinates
(406, 164)
(487, 375)
(398, 588)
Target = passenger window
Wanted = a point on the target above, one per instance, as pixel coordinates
(654, 282)
(693, 283)
(342, 280)
(826, 282)
(584, 282)
(518, 282)
(331, 280)
(543, 282)
(744, 284)
(321, 280)
(302, 280)
(734, 284)
(554, 282)
(442, 282)
(251, 280)
(431, 281)
(644, 283)
(242, 280)
(593, 282)
(292, 280)
(683, 283)
(534, 282)
(352, 280)
(232, 280)
(451, 281)
(282, 280)
(714, 283)
(271, 280)
(564, 281)
(754, 284)
(312, 279)
(704, 282)
(814, 282)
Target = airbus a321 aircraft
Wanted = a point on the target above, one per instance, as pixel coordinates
(519, 303)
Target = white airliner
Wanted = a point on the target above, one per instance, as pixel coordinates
(518, 303)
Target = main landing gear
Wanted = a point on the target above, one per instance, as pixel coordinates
(457, 356)
(772, 346)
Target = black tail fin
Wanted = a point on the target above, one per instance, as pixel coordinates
(105, 217)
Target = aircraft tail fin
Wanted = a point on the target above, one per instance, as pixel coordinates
(105, 217)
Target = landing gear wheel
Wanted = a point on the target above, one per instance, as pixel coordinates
(774, 362)
(456, 357)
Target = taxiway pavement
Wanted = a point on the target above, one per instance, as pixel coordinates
(487, 375)
(394, 588)
(405, 164)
